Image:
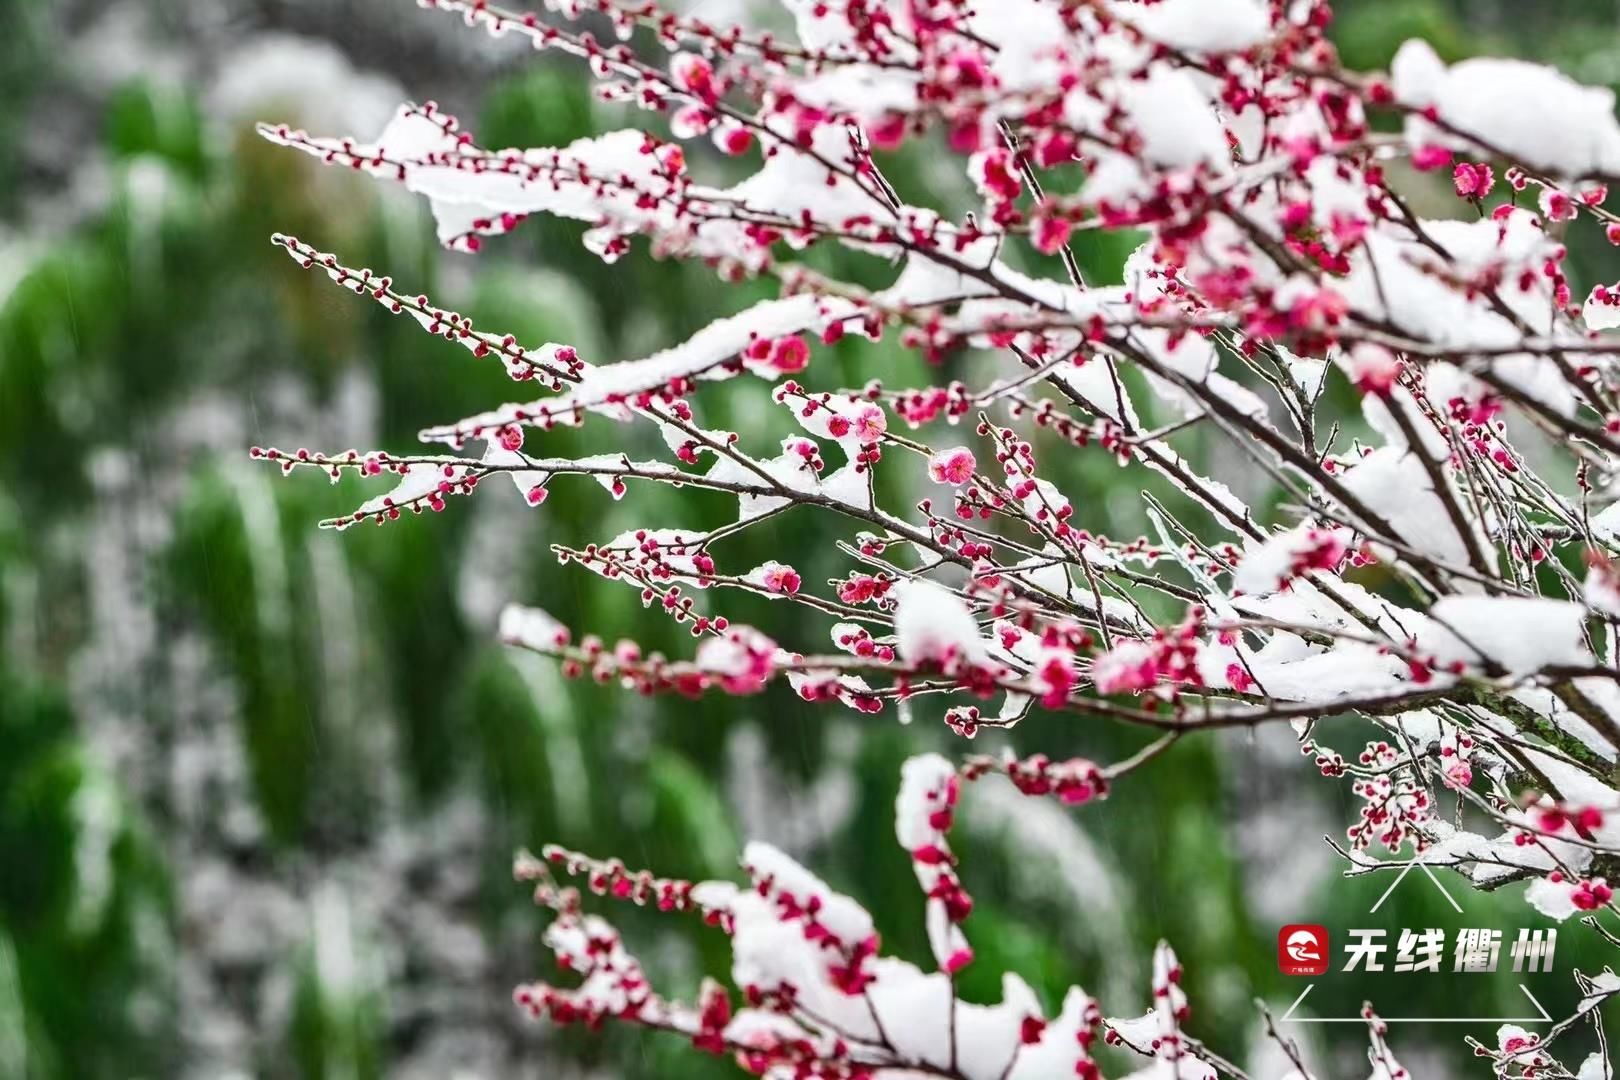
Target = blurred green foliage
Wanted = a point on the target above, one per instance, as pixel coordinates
(171, 295)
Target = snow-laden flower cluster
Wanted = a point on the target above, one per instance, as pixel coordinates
(1447, 574)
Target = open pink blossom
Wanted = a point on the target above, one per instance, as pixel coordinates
(1051, 233)
(741, 661)
(1127, 668)
(1318, 310)
(1056, 676)
(1473, 179)
(695, 74)
(1557, 205)
(953, 466)
(869, 423)
(888, 132)
(1373, 368)
(1429, 158)
(1458, 775)
(780, 578)
(733, 139)
(994, 173)
(789, 354)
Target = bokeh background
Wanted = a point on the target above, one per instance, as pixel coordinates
(260, 785)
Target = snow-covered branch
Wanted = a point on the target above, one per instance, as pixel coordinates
(1447, 573)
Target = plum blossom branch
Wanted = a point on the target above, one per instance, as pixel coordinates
(1427, 564)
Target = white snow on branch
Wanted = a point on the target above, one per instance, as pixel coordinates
(1527, 111)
